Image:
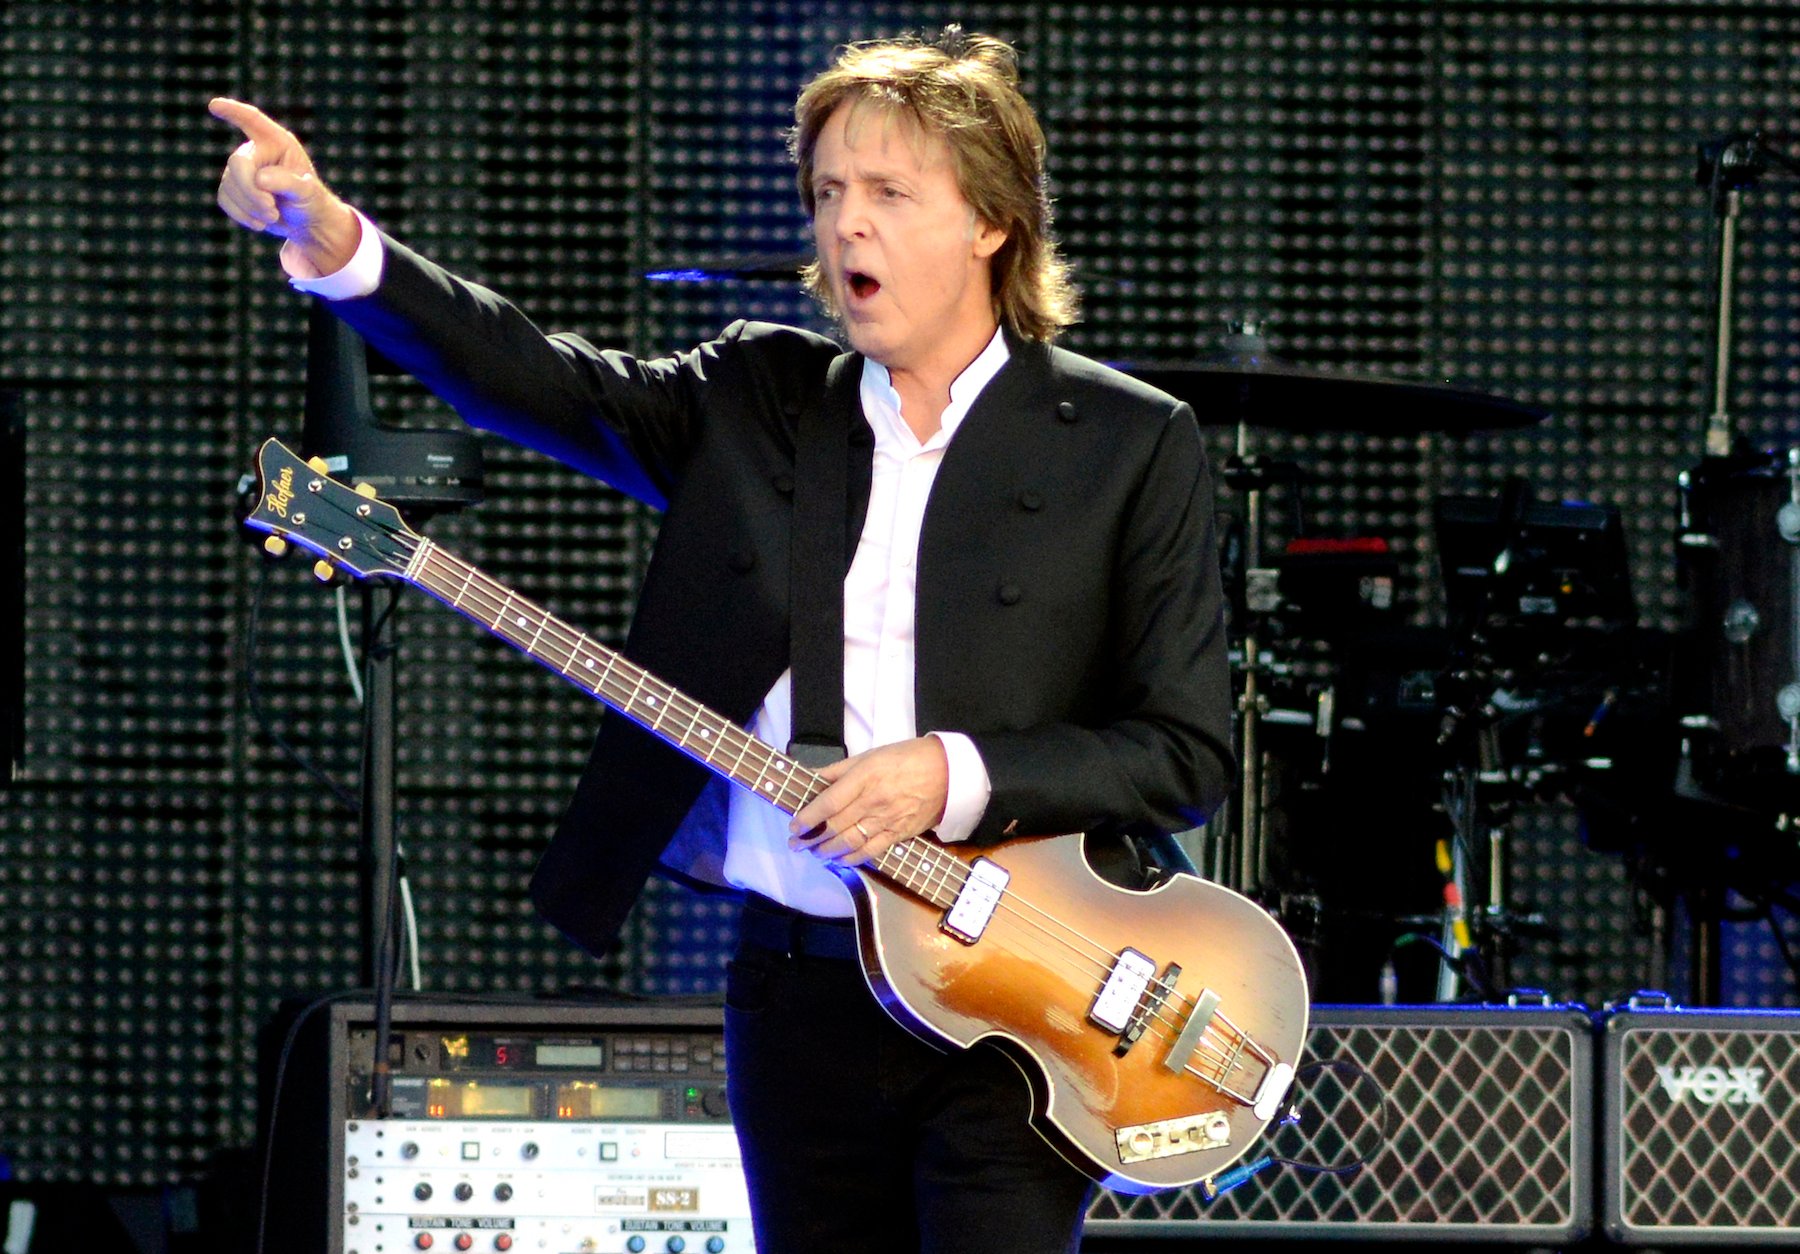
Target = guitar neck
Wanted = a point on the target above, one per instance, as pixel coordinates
(620, 684)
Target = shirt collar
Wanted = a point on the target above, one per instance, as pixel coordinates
(878, 394)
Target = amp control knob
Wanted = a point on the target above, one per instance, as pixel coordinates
(422, 1191)
(503, 1192)
(464, 1191)
(464, 1241)
(423, 1240)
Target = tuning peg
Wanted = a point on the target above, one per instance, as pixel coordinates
(319, 464)
(275, 546)
(324, 571)
(366, 489)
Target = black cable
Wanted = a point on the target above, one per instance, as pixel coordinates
(287, 1049)
(256, 712)
(1214, 1187)
(1359, 1072)
(1469, 963)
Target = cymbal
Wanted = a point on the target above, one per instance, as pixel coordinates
(1261, 390)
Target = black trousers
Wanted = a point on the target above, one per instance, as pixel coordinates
(858, 1138)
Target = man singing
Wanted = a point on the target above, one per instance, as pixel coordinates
(1031, 618)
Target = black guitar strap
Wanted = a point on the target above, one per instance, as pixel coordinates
(816, 570)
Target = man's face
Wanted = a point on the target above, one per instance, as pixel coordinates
(906, 260)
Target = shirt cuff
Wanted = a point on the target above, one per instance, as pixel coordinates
(360, 275)
(969, 788)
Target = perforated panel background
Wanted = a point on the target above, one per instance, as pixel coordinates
(1499, 195)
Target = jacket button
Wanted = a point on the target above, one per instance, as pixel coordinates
(1009, 594)
(784, 483)
(1029, 499)
(1066, 411)
(742, 563)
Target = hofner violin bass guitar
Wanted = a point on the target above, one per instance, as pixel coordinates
(1159, 1029)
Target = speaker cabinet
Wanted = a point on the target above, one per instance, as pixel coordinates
(1701, 1140)
(1477, 1123)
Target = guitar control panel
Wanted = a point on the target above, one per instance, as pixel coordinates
(538, 1138)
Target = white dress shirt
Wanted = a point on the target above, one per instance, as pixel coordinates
(879, 597)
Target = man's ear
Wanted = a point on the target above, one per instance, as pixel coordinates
(986, 237)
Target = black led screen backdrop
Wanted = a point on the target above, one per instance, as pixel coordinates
(1497, 196)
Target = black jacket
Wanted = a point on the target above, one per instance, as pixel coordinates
(1068, 612)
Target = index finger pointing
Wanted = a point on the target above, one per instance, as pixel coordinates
(256, 125)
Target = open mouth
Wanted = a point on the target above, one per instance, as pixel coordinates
(862, 286)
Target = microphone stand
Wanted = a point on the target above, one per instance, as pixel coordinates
(422, 472)
(379, 851)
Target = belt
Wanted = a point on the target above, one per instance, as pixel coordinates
(770, 925)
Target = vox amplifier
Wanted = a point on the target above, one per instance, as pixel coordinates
(1477, 1124)
(1701, 1127)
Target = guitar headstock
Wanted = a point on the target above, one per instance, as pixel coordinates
(299, 503)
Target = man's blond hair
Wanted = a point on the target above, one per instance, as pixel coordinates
(964, 88)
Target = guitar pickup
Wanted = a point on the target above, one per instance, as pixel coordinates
(1148, 1008)
(1123, 990)
(976, 901)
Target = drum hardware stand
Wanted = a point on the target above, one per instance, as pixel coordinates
(1480, 800)
(1480, 791)
(1245, 862)
(1727, 166)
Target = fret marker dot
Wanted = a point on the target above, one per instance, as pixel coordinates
(519, 619)
(768, 787)
(649, 700)
(706, 735)
(590, 663)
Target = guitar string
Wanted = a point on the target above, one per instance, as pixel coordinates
(1011, 899)
(1222, 1063)
(509, 603)
(1226, 1049)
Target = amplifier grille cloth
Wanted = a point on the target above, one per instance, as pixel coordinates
(1481, 1131)
(1709, 1163)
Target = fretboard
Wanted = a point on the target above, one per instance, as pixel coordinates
(698, 731)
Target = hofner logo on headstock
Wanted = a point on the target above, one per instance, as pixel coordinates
(281, 493)
(1737, 1086)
